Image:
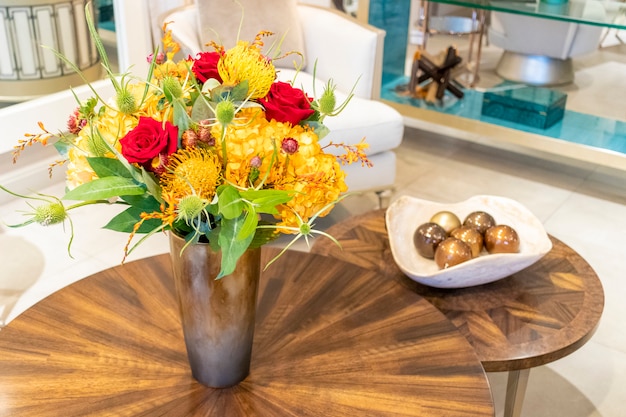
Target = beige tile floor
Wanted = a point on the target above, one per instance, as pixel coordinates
(582, 204)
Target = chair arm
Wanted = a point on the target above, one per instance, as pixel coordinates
(344, 48)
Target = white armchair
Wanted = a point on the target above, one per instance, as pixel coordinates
(346, 51)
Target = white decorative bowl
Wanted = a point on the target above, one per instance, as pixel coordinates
(407, 213)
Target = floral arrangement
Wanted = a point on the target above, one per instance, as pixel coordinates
(212, 148)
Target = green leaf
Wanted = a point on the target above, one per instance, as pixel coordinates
(251, 219)
(230, 203)
(104, 188)
(319, 128)
(144, 202)
(265, 201)
(151, 184)
(181, 119)
(126, 220)
(201, 110)
(263, 236)
(108, 167)
(240, 91)
(232, 247)
(62, 147)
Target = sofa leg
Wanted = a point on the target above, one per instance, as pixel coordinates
(384, 197)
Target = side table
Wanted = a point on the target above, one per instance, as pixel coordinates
(533, 317)
(331, 339)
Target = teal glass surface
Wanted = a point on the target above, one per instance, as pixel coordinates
(574, 127)
(393, 17)
(592, 12)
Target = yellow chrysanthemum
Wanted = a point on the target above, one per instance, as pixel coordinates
(316, 177)
(193, 171)
(111, 125)
(317, 183)
(169, 68)
(246, 62)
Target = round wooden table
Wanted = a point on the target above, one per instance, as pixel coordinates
(332, 339)
(528, 319)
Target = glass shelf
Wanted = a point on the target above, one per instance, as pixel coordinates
(592, 12)
(575, 128)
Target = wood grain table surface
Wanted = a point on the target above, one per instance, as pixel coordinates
(332, 339)
(531, 318)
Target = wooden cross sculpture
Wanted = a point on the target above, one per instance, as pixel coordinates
(438, 76)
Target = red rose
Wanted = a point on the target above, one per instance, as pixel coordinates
(286, 104)
(149, 140)
(205, 66)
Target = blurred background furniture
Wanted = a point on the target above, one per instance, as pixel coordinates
(337, 47)
(29, 33)
(540, 51)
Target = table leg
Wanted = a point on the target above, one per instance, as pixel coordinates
(515, 391)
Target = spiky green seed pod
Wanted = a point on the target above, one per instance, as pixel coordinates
(225, 112)
(328, 101)
(126, 101)
(172, 88)
(190, 207)
(96, 145)
(305, 229)
(50, 213)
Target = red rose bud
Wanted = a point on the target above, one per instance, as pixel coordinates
(289, 146)
(286, 104)
(205, 66)
(148, 140)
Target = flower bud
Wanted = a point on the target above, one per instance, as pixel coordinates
(205, 136)
(289, 146)
(189, 138)
(75, 123)
(50, 213)
(159, 59)
(225, 112)
(126, 101)
(172, 87)
(328, 101)
(190, 207)
(255, 162)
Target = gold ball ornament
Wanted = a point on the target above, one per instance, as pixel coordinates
(446, 219)
(501, 239)
(452, 251)
(470, 236)
(480, 221)
(426, 238)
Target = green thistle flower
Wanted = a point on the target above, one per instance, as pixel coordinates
(51, 213)
(225, 112)
(190, 207)
(172, 88)
(126, 101)
(328, 101)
